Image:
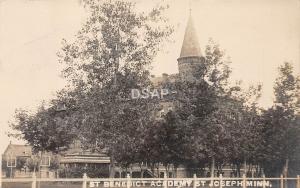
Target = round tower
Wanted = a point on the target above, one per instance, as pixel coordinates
(191, 60)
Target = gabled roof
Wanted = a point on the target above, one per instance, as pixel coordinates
(190, 46)
(18, 150)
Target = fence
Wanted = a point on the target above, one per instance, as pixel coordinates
(195, 182)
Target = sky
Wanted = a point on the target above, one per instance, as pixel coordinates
(257, 35)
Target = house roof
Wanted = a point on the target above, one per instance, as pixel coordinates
(18, 150)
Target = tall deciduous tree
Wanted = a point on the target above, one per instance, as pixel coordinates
(45, 130)
(110, 56)
(281, 130)
(115, 38)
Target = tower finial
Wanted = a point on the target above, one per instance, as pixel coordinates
(190, 6)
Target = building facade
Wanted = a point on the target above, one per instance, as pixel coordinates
(13, 160)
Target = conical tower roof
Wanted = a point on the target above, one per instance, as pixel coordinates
(190, 46)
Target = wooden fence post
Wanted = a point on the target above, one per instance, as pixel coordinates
(165, 180)
(281, 181)
(298, 181)
(244, 180)
(128, 181)
(33, 184)
(211, 180)
(221, 179)
(194, 180)
(264, 181)
(84, 182)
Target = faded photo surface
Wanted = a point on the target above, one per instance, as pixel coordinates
(150, 88)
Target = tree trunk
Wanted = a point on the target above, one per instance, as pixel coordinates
(142, 171)
(221, 169)
(131, 170)
(238, 169)
(112, 167)
(245, 167)
(153, 169)
(166, 173)
(286, 171)
(212, 172)
(175, 171)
